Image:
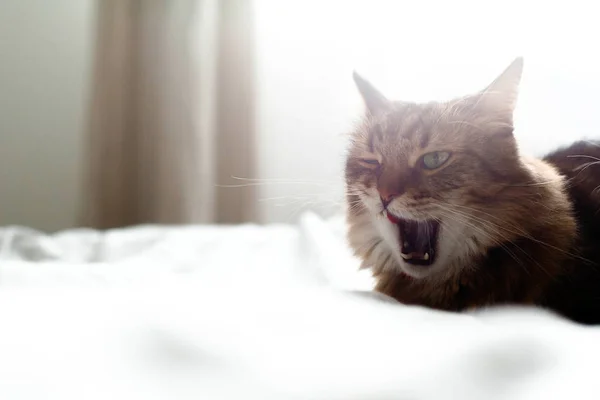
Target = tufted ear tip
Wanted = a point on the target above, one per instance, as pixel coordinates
(501, 95)
(374, 100)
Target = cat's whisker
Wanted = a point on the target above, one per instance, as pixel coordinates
(300, 196)
(517, 230)
(523, 233)
(550, 182)
(275, 181)
(585, 166)
(355, 192)
(504, 246)
(480, 128)
(356, 208)
(501, 235)
(302, 201)
(591, 143)
(307, 204)
(293, 198)
(355, 203)
(486, 234)
(583, 156)
(455, 234)
(286, 180)
(241, 185)
(473, 210)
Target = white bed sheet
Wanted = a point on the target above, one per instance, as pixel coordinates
(255, 313)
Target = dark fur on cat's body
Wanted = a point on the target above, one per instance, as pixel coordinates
(577, 295)
(510, 229)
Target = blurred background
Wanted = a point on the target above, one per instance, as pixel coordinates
(124, 112)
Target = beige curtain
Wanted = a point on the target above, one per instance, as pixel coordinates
(171, 119)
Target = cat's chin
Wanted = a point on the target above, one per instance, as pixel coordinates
(418, 272)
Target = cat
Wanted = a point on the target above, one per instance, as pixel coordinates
(448, 214)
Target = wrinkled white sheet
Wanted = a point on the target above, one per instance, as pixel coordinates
(254, 312)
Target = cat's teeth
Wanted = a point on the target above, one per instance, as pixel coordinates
(412, 255)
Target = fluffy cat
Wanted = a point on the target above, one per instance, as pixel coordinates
(449, 214)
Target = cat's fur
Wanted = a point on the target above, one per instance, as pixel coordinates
(512, 229)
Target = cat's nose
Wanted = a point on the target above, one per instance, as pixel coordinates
(390, 186)
(387, 197)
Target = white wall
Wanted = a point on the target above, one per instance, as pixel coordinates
(411, 50)
(45, 59)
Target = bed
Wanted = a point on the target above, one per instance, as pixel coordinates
(255, 312)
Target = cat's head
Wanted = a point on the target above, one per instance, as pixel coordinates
(416, 173)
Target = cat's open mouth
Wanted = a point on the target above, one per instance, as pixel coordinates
(418, 239)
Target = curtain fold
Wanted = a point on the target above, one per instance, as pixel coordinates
(171, 118)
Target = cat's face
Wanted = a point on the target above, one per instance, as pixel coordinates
(416, 174)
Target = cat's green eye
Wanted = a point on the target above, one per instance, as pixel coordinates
(435, 159)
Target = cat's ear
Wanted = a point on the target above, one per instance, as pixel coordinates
(500, 97)
(374, 100)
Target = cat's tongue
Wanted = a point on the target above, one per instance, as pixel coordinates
(417, 239)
